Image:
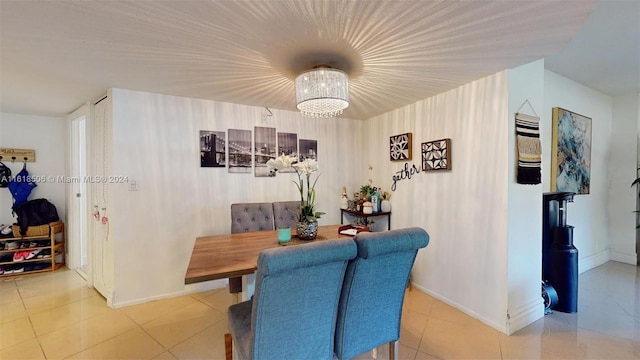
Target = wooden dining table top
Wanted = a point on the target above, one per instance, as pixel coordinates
(230, 255)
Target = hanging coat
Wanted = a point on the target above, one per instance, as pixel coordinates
(21, 186)
(5, 175)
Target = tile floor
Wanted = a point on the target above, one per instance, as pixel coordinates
(53, 316)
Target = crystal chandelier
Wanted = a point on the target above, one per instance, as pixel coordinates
(322, 92)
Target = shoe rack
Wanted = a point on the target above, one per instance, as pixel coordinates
(19, 264)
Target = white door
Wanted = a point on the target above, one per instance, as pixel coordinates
(101, 248)
(77, 195)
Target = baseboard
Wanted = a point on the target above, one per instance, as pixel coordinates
(592, 261)
(500, 327)
(524, 315)
(631, 259)
(189, 289)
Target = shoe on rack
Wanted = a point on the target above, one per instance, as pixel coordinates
(32, 254)
(45, 253)
(12, 245)
(6, 230)
(1, 270)
(41, 265)
(18, 256)
(8, 269)
(18, 269)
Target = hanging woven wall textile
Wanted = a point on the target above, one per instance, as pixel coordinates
(529, 149)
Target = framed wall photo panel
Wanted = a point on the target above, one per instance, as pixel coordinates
(212, 149)
(400, 147)
(308, 149)
(436, 155)
(240, 151)
(570, 152)
(288, 145)
(264, 149)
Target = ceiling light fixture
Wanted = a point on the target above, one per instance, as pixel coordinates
(322, 92)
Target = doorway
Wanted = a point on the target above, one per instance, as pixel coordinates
(77, 216)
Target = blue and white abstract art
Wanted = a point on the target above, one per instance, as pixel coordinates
(571, 155)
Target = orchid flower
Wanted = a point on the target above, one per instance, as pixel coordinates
(306, 167)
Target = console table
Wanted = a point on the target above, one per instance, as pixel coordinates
(366, 216)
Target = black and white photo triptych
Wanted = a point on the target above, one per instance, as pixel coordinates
(245, 154)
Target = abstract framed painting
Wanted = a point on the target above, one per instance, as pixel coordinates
(436, 155)
(400, 147)
(570, 152)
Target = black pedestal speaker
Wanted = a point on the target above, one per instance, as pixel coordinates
(559, 256)
(563, 260)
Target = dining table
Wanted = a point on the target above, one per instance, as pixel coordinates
(235, 255)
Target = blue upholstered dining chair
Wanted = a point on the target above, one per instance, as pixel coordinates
(370, 308)
(285, 213)
(292, 314)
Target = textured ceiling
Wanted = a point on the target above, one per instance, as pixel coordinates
(57, 55)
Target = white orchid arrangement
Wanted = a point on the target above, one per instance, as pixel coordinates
(303, 169)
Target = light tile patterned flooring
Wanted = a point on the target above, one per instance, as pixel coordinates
(54, 316)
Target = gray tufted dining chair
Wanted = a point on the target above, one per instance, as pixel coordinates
(285, 213)
(247, 217)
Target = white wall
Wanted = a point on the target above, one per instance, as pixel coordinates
(156, 142)
(623, 164)
(526, 83)
(464, 210)
(47, 136)
(588, 213)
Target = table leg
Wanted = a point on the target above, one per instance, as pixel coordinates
(235, 288)
(248, 286)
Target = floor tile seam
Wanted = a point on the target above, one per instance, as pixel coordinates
(40, 345)
(197, 297)
(51, 308)
(466, 323)
(626, 312)
(156, 318)
(154, 339)
(209, 305)
(192, 336)
(608, 335)
(223, 313)
(3, 323)
(424, 327)
(94, 345)
(420, 342)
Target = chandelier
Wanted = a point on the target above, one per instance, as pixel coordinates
(322, 92)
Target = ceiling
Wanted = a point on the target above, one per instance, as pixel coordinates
(54, 56)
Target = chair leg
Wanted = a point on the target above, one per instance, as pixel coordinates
(374, 353)
(394, 350)
(228, 347)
